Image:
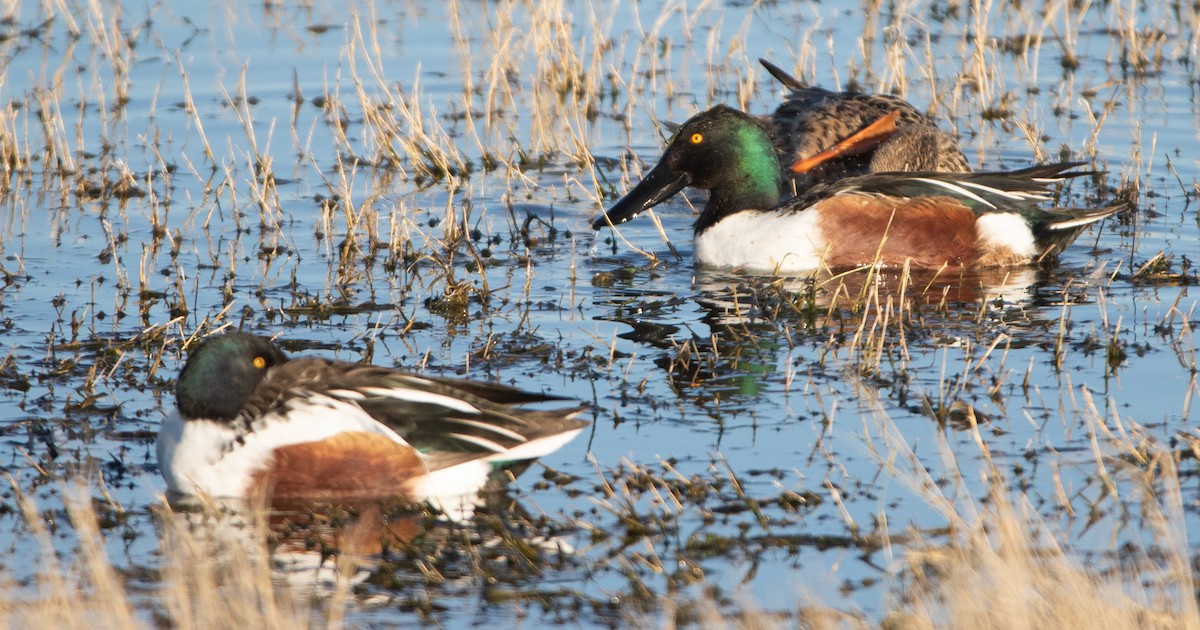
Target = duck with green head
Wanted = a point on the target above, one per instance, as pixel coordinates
(928, 220)
(252, 421)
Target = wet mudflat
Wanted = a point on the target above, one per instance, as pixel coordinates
(413, 185)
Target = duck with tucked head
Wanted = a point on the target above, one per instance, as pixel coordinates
(929, 220)
(826, 135)
(253, 422)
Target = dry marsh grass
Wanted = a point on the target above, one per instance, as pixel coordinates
(1009, 566)
(209, 578)
(999, 564)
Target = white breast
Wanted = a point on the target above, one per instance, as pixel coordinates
(202, 457)
(763, 242)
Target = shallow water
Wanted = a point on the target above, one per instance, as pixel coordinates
(777, 430)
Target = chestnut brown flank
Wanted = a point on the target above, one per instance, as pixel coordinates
(346, 466)
(931, 231)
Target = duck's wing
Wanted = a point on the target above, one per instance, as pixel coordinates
(988, 191)
(434, 415)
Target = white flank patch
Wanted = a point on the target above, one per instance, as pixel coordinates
(764, 242)
(468, 477)
(455, 490)
(1006, 231)
(418, 396)
(199, 456)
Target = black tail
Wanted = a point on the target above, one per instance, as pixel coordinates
(790, 82)
(1064, 225)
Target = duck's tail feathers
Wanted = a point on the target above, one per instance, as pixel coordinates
(455, 477)
(1049, 173)
(1066, 224)
(790, 82)
(1083, 217)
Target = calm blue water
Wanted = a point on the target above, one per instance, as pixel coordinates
(777, 404)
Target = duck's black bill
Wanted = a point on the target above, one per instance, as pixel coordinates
(658, 186)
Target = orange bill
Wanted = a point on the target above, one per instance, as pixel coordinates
(860, 142)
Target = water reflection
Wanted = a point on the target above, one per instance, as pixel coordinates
(384, 549)
(735, 338)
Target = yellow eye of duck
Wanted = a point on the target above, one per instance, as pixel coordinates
(260, 362)
(697, 138)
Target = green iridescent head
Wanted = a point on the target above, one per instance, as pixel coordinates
(222, 373)
(722, 150)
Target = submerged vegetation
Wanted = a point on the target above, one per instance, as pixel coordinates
(412, 185)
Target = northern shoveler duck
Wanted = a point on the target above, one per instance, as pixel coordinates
(831, 135)
(928, 219)
(250, 420)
